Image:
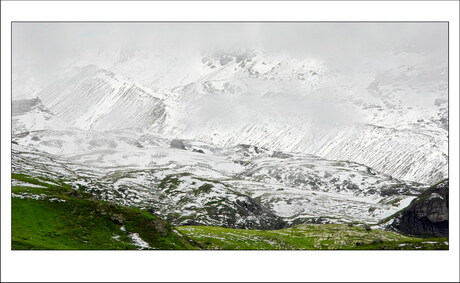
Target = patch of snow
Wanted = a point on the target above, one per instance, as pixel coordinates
(434, 196)
(15, 182)
(37, 197)
(138, 241)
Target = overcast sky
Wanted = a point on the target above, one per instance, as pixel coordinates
(48, 46)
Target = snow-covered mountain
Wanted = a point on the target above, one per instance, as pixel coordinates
(95, 99)
(393, 120)
(270, 140)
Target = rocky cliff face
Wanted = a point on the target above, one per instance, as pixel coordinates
(428, 215)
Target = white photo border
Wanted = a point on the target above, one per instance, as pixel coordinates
(229, 265)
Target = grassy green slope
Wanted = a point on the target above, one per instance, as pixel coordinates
(49, 214)
(307, 237)
(54, 216)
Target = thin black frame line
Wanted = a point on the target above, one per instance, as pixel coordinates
(207, 22)
(232, 0)
(11, 106)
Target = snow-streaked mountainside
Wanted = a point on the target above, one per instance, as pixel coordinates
(393, 120)
(270, 140)
(242, 186)
(96, 99)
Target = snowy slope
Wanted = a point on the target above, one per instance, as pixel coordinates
(32, 115)
(95, 99)
(392, 119)
(242, 186)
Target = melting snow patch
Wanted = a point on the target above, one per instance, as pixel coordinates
(25, 184)
(29, 196)
(36, 197)
(57, 200)
(435, 195)
(48, 182)
(137, 241)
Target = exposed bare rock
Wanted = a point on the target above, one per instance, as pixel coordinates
(427, 215)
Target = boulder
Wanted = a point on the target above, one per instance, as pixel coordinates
(175, 143)
(279, 154)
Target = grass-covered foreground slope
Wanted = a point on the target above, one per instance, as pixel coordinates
(308, 237)
(49, 214)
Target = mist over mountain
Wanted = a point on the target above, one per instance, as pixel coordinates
(281, 123)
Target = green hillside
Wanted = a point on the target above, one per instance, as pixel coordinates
(55, 216)
(49, 214)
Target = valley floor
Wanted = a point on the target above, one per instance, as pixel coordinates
(308, 237)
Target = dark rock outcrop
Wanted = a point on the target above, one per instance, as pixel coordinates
(279, 154)
(427, 215)
(257, 216)
(177, 144)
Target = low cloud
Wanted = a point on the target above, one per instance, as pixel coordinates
(320, 107)
(50, 46)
